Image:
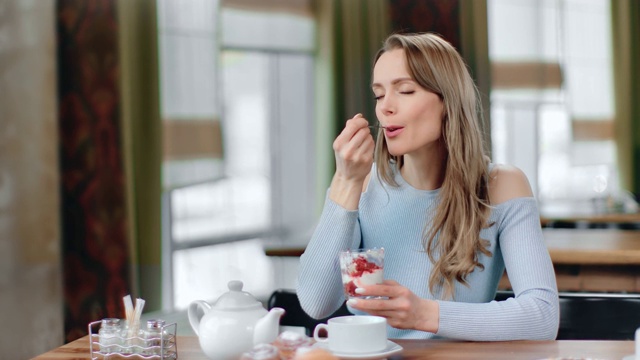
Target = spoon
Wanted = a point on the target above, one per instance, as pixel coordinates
(376, 127)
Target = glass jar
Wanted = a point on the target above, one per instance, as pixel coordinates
(154, 337)
(109, 336)
(131, 338)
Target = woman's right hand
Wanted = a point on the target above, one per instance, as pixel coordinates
(354, 156)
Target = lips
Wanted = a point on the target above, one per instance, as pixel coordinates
(393, 131)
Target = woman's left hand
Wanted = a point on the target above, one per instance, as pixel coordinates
(403, 309)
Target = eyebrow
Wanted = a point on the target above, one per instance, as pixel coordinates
(394, 81)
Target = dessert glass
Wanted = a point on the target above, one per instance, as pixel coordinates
(361, 267)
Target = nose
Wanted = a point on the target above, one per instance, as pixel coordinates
(387, 105)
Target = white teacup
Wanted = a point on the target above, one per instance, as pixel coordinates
(354, 334)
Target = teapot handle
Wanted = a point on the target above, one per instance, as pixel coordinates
(193, 312)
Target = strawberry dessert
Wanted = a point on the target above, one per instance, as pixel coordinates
(361, 267)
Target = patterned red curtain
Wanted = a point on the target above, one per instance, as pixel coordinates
(439, 16)
(93, 200)
(463, 24)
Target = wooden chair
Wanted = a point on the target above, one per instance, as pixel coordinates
(583, 316)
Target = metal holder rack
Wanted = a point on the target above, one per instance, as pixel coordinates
(129, 347)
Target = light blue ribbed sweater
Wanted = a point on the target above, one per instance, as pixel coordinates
(394, 218)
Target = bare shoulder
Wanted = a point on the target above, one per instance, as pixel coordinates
(507, 182)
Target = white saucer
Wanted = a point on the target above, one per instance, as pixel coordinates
(629, 357)
(392, 349)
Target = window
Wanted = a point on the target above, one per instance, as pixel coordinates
(552, 98)
(256, 184)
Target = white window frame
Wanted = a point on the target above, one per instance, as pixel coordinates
(293, 213)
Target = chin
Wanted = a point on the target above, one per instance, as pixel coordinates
(396, 152)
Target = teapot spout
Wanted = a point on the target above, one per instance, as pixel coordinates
(267, 328)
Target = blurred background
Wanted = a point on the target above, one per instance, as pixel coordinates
(156, 148)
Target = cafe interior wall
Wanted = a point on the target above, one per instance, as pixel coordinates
(65, 257)
(30, 281)
(86, 242)
(31, 301)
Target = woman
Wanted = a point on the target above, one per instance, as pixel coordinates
(450, 222)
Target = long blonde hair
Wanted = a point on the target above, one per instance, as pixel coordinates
(463, 209)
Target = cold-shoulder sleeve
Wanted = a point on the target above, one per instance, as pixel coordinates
(534, 312)
(319, 286)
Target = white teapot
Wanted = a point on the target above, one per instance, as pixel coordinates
(234, 324)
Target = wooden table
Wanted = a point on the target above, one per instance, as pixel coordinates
(602, 219)
(593, 246)
(189, 349)
(594, 260)
(583, 213)
(520, 350)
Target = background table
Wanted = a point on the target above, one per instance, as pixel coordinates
(583, 220)
(595, 260)
(592, 260)
(593, 246)
(566, 246)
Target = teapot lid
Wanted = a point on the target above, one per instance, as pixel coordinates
(236, 299)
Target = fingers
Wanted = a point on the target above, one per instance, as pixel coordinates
(388, 288)
(354, 127)
(390, 304)
(369, 305)
(354, 148)
(402, 308)
(393, 297)
(397, 311)
(398, 316)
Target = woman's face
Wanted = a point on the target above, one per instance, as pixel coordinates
(412, 115)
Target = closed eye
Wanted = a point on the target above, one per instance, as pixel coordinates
(407, 92)
(379, 97)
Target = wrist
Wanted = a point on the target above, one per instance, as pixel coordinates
(346, 191)
(430, 321)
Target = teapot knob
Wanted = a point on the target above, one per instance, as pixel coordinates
(235, 285)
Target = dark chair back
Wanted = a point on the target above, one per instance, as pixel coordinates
(583, 316)
(294, 315)
(599, 316)
(595, 316)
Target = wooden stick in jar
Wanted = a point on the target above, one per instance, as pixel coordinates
(128, 309)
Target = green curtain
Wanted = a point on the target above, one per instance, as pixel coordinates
(360, 28)
(142, 132)
(349, 34)
(474, 38)
(626, 63)
(325, 108)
